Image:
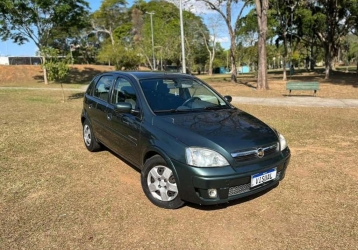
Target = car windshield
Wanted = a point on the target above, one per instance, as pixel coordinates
(180, 95)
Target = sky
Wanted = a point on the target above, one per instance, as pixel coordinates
(8, 48)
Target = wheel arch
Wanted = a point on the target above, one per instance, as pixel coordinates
(84, 117)
(158, 151)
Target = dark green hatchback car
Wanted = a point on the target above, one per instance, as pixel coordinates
(188, 141)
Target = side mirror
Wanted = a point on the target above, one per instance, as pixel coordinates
(123, 107)
(228, 98)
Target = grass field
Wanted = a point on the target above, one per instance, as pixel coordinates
(340, 84)
(54, 194)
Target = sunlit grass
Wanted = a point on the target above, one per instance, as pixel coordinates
(54, 194)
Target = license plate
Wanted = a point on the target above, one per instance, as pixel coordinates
(260, 178)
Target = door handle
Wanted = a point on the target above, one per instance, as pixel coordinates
(125, 120)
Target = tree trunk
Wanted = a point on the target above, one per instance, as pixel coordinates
(327, 66)
(284, 78)
(284, 58)
(327, 61)
(233, 61)
(262, 71)
(211, 66)
(45, 75)
(63, 93)
(261, 10)
(44, 70)
(332, 63)
(311, 59)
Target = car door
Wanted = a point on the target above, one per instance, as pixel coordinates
(97, 107)
(125, 127)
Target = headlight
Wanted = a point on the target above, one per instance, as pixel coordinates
(201, 157)
(283, 143)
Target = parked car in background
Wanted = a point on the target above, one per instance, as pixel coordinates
(188, 141)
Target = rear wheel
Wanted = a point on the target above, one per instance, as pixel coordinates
(89, 139)
(159, 184)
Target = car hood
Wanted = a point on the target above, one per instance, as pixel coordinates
(229, 129)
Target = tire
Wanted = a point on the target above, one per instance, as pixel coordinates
(89, 139)
(159, 184)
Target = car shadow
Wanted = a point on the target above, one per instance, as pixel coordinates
(104, 148)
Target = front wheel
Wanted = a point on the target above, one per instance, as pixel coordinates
(159, 184)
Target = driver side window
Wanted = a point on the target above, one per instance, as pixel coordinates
(124, 92)
(103, 87)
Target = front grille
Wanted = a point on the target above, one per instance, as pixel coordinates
(247, 187)
(253, 153)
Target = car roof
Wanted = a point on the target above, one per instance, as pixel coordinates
(148, 74)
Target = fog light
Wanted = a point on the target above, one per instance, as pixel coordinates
(212, 193)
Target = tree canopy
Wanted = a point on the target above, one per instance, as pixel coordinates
(41, 21)
(263, 34)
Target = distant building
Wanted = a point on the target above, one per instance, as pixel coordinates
(4, 60)
(243, 69)
(20, 60)
(220, 70)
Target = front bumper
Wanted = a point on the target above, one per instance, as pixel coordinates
(230, 183)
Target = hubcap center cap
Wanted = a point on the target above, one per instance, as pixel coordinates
(162, 183)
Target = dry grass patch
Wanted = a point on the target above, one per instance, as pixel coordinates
(32, 76)
(341, 84)
(55, 194)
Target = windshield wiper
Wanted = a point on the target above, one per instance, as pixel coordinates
(217, 107)
(171, 110)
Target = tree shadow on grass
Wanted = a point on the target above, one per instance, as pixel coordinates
(76, 96)
(342, 78)
(247, 84)
(82, 75)
(39, 78)
(336, 77)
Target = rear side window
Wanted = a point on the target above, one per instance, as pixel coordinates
(103, 87)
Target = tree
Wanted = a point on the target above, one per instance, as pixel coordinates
(283, 14)
(57, 67)
(110, 16)
(246, 39)
(197, 37)
(333, 20)
(166, 32)
(124, 57)
(305, 23)
(226, 14)
(107, 23)
(209, 39)
(261, 10)
(40, 20)
(165, 18)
